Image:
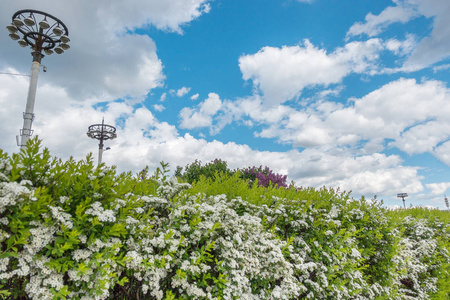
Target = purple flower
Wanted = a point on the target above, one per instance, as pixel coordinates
(265, 176)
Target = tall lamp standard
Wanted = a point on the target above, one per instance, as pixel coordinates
(43, 33)
(101, 132)
(403, 196)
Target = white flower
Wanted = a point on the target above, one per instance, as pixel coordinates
(26, 182)
(104, 215)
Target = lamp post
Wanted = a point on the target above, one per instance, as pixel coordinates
(43, 33)
(101, 132)
(403, 196)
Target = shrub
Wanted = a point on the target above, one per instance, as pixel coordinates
(426, 242)
(64, 225)
(194, 171)
(264, 176)
(70, 230)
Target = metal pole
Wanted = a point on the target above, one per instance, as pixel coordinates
(100, 152)
(100, 145)
(28, 115)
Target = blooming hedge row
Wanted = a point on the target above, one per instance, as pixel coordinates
(70, 230)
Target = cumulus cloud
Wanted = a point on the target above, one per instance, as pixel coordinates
(365, 175)
(195, 96)
(402, 48)
(202, 115)
(396, 112)
(183, 91)
(438, 188)
(442, 152)
(159, 107)
(281, 74)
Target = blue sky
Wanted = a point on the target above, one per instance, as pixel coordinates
(350, 94)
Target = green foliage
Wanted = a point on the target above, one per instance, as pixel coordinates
(431, 228)
(71, 230)
(194, 171)
(63, 223)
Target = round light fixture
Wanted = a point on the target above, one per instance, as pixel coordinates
(65, 46)
(57, 30)
(18, 22)
(23, 43)
(48, 51)
(59, 50)
(14, 36)
(44, 24)
(65, 39)
(11, 28)
(29, 21)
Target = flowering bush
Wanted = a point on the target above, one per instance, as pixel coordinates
(70, 230)
(264, 176)
(423, 253)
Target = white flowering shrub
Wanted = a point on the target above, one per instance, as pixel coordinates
(71, 230)
(423, 266)
(341, 248)
(64, 225)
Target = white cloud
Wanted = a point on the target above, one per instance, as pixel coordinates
(441, 67)
(438, 189)
(282, 73)
(163, 97)
(374, 24)
(159, 107)
(183, 91)
(396, 112)
(423, 137)
(442, 152)
(201, 116)
(404, 47)
(436, 46)
(195, 96)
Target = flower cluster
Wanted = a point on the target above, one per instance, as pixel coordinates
(103, 215)
(265, 176)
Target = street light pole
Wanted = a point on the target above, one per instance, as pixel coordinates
(403, 196)
(101, 132)
(28, 115)
(42, 32)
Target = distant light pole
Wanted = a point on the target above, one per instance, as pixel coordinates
(101, 132)
(42, 32)
(403, 196)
